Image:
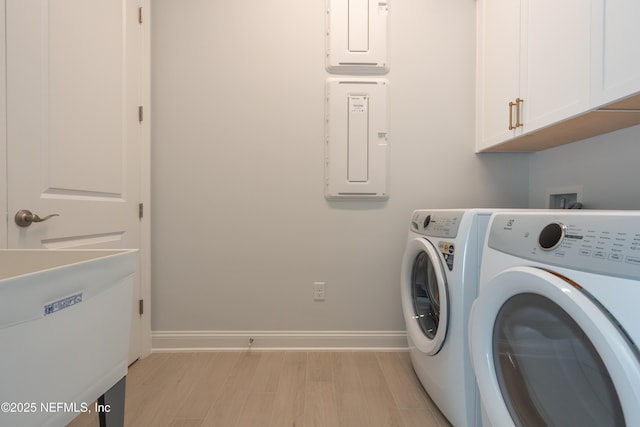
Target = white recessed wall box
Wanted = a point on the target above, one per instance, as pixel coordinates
(356, 157)
(356, 32)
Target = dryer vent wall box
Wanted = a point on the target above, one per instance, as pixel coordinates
(356, 36)
(356, 160)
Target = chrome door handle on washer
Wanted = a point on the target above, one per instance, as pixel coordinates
(24, 218)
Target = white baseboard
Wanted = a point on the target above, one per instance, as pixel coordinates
(164, 341)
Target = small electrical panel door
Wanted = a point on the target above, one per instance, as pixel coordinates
(356, 158)
(356, 32)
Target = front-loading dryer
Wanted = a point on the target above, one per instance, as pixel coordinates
(555, 329)
(439, 281)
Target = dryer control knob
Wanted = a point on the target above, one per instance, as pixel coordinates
(427, 220)
(551, 236)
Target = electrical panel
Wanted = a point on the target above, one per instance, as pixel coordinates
(356, 157)
(356, 36)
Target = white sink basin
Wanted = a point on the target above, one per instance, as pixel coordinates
(64, 331)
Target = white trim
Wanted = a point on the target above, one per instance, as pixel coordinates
(145, 182)
(145, 235)
(4, 213)
(279, 340)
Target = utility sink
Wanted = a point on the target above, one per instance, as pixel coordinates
(64, 334)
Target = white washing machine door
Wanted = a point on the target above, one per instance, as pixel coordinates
(546, 354)
(425, 300)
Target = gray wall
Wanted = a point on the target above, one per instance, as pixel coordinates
(241, 228)
(605, 168)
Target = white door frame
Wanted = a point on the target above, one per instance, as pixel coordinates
(145, 187)
(3, 128)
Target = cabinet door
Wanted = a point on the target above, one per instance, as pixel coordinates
(616, 64)
(555, 64)
(498, 75)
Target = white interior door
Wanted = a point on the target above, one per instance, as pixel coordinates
(74, 138)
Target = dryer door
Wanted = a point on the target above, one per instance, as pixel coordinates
(424, 296)
(545, 353)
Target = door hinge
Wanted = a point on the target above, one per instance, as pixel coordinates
(140, 15)
(141, 307)
(140, 210)
(140, 114)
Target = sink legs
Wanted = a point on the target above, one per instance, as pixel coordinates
(111, 405)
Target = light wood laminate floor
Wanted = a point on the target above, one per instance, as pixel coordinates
(275, 388)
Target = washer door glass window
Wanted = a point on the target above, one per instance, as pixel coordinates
(425, 295)
(549, 372)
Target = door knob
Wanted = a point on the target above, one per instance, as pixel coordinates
(24, 217)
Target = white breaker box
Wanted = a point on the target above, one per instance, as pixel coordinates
(356, 36)
(356, 157)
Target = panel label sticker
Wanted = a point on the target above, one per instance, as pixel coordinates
(447, 250)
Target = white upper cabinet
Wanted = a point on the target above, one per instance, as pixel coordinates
(533, 66)
(555, 63)
(616, 62)
(498, 70)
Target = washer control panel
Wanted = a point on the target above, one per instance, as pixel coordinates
(436, 224)
(605, 243)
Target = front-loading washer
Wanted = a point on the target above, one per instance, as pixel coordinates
(555, 329)
(439, 281)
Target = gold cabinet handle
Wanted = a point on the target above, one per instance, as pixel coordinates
(511, 105)
(519, 102)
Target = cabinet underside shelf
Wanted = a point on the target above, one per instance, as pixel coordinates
(615, 116)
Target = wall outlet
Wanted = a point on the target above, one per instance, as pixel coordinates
(318, 291)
